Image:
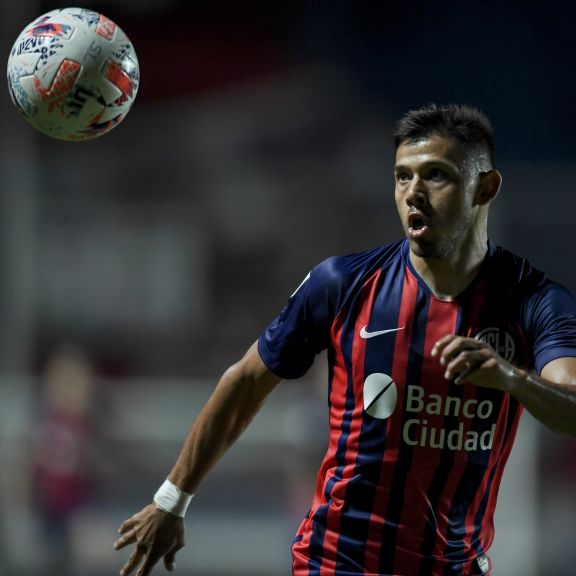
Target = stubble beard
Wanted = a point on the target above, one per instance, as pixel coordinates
(431, 250)
(445, 246)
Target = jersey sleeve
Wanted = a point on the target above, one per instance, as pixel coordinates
(551, 318)
(292, 340)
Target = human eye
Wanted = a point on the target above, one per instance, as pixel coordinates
(436, 174)
(402, 176)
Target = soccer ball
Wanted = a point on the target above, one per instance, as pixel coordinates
(73, 74)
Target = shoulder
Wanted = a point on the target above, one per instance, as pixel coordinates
(344, 271)
(519, 273)
(547, 309)
(513, 267)
(335, 279)
(531, 286)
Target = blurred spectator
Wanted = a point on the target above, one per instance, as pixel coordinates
(62, 452)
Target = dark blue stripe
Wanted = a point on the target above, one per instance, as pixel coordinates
(479, 518)
(402, 469)
(442, 473)
(317, 540)
(320, 518)
(361, 494)
(470, 483)
(495, 309)
(435, 494)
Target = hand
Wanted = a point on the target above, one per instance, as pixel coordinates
(469, 360)
(157, 534)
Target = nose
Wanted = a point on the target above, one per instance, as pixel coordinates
(416, 194)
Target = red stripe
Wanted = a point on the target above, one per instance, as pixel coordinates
(488, 535)
(399, 370)
(474, 310)
(493, 461)
(339, 396)
(442, 319)
(504, 439)
(474, 313)
(301, 550)
(501, 447)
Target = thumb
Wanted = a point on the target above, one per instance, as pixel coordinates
(170, 560)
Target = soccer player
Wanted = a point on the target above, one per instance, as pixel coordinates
(435, 343)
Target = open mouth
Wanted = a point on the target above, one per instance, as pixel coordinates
(417, 224)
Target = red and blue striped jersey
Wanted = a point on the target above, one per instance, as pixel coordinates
(409, 481)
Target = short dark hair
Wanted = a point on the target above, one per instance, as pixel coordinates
(465, 125)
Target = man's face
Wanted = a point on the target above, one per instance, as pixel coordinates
(435, 188)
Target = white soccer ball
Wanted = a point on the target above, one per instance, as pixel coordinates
(73, 74)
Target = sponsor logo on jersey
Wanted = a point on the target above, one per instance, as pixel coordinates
(380, 395)
(418, 432)
(380, 400)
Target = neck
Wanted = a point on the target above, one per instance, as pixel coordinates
(449, 276)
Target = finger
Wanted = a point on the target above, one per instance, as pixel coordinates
(462, 374)
(150, 560)
(170, 558)
(128, 538)
(456, 347)
(442, 343)
(133, 561)
(464, 364)
(127, 525)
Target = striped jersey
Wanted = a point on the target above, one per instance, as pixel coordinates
(409, 481)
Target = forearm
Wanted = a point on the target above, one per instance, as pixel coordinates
(554, 404)
(232, 406)
(551, 398)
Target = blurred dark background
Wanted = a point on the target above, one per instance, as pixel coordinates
(148, 260)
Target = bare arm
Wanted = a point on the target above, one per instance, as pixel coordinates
(235, 401)
(550, 397)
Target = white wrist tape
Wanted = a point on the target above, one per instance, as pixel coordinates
(171, 499)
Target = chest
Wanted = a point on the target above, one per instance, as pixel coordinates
(391, 326)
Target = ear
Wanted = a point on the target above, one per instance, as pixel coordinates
(488, 187)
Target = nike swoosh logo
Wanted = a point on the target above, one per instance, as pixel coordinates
(365, 334)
